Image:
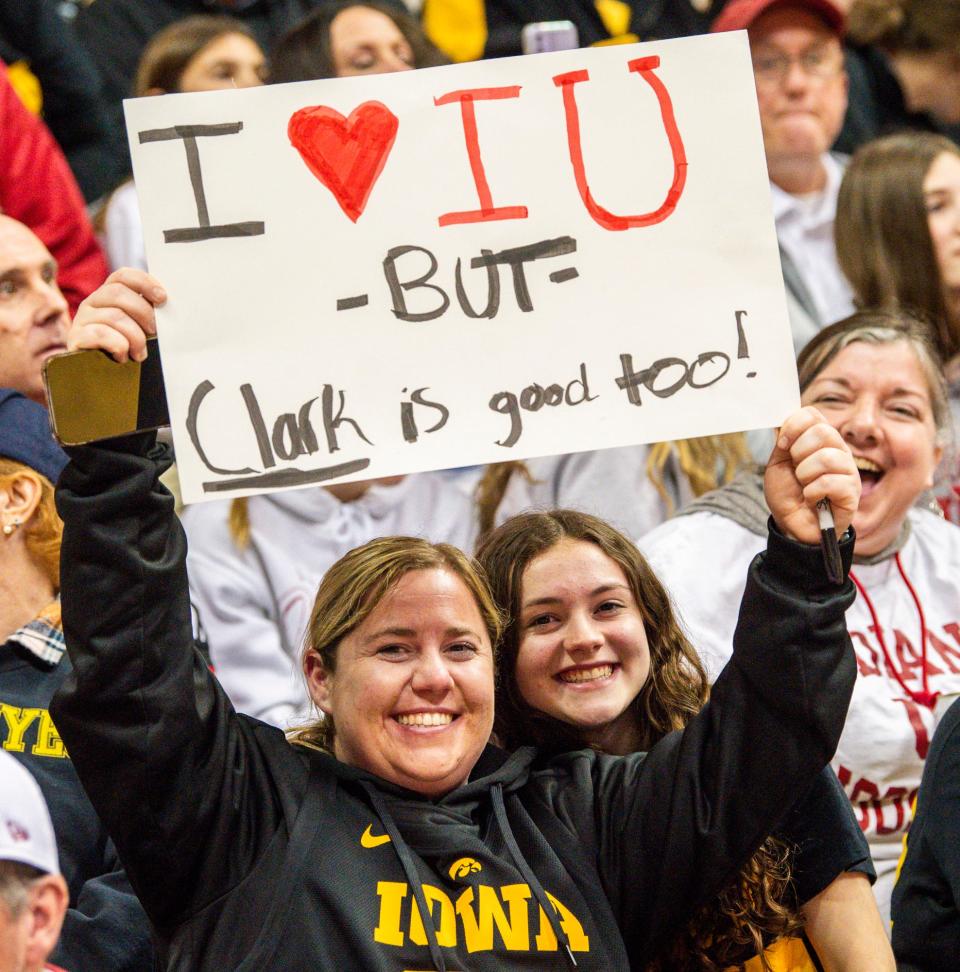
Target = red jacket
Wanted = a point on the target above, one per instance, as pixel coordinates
(38, 189)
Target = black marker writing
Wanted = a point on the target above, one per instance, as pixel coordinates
(493, 290)
(193, 416)
(516, 258)
(291, 435)
(714, 364)
(398, 288)
(533, 398)
(408, 422)
(189, 135)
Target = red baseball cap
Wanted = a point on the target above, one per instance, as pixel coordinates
(740, 14)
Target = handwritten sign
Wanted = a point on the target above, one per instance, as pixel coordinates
(499, 260)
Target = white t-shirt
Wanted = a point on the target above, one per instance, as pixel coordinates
(703, 558)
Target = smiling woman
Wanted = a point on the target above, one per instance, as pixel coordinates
(400, 645)
(875, 377)
(593, 656)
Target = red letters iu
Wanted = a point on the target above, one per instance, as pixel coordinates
(348, 154)
(645, 67)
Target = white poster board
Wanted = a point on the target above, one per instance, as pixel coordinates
(489, 261)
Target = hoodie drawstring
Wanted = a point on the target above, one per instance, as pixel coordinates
(410, 869)
(500, 812)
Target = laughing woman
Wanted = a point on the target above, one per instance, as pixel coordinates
(390, 835)
(877, 381)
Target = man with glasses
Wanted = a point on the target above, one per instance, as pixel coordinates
(802, 96)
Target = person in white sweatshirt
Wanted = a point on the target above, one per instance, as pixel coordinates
(876, 378)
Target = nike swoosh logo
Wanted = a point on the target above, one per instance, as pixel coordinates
(369, 841)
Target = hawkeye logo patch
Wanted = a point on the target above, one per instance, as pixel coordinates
(369, 840)
(464, 866)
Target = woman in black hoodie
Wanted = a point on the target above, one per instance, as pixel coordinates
(593, 655)
(390, 836)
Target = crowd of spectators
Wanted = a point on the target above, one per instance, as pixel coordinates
(859, 108)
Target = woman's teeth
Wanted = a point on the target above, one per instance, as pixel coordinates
(425, 719)
(587, 674)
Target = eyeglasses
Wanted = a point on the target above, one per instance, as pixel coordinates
(820, 63)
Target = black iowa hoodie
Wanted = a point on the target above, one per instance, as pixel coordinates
(252, 854)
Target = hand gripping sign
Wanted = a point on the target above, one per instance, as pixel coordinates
(488, 261)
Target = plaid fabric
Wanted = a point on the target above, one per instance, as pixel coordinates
(43, 636)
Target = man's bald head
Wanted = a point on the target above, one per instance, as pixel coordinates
(33, 312)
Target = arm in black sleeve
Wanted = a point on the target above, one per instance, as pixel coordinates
(675, 826)
(179, 780)
(826, 839)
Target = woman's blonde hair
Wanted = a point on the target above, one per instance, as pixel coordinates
(883, 237)
(353, 587)
(44, 530)
(238, 522)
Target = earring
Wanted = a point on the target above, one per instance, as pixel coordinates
(7, 529)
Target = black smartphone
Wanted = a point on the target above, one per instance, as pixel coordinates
(92, 397)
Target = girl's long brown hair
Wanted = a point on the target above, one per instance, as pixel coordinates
(756, 907)
(911, 26)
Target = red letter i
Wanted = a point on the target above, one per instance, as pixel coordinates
(487, 210)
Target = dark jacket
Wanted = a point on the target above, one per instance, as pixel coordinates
(826, 838)
(249, 853)
(926, 898)
(105, 927)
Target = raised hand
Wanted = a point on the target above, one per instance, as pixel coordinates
(118, 316)
(810, 462)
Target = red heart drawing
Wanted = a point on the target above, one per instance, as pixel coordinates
(345, 154)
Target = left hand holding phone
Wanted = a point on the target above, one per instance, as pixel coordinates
(118, 316)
